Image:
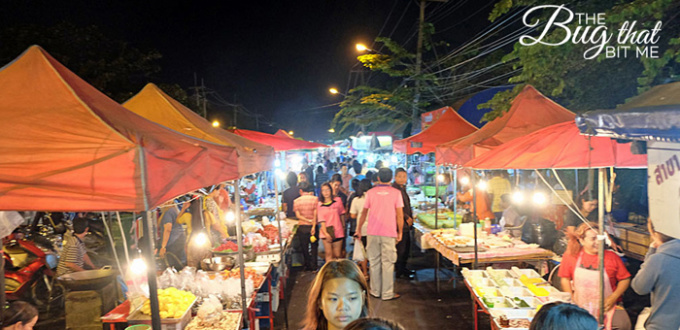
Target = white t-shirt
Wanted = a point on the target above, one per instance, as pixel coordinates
(356, 208)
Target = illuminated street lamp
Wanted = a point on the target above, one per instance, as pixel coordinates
(215, 123)
(331, 130)
(361, 47)
(333, 90)
(291, 132)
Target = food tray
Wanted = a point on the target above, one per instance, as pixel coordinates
(237, 325)
(531, 301)
(137, 317)
(530, 273)
(469, 249)
(469, 273)
(498, 302)
(481, 281)
(510, 282)
(487, 291)
(499, 273)
(516, 291)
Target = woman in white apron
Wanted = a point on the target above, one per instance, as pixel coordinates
(580, 277)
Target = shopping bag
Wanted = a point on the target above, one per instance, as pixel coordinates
(359, 251)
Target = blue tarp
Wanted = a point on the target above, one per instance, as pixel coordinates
(469, 109)
(654, 123)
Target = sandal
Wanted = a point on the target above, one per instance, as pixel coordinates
(396, 296)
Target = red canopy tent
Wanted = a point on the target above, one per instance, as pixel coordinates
(153, 104)
(66, 146)
(449, 126)
(279, 143)
(529, 112)
(559, 146)
(283, 133)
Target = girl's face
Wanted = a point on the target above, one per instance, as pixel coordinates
(341, 302)
(326, 192)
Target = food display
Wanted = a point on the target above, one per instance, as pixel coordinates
(228, 247)
(450, 238)
(513, 296)
(250, 273)
(211, 316)
(172, 303)
(445, 219)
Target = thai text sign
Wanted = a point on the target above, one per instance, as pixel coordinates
(663, 160)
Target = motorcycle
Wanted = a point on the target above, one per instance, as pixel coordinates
(30, 264)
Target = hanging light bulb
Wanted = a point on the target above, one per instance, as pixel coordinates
(517, 197)
(229, 217)
(440, 177)
(201, 239)
(464, 180)
(277, 163)
(394, 159)
(138, 266)
(539, 198)
(482, 185)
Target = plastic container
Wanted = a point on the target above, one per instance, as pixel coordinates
(516, 291)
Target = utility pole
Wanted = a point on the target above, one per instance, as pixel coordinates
(235, 111)
(198, 98)
(415, 112)
(205, 100)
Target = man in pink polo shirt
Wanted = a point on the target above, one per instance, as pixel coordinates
(385, 225)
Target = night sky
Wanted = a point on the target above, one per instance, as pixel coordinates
(277, 58)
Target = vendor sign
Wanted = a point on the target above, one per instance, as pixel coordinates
(664, 186)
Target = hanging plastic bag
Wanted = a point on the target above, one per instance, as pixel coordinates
(359, 251)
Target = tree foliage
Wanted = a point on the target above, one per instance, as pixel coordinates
(562, 73)
(112, 66)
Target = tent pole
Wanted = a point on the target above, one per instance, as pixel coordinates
(600, 238)
(241, 261)
(454, 175)
(149, 244)
(436, 217)
(125, 245)
(473, 182)
(113, 244)
(282, 264)
(436, 197)
(151, 270)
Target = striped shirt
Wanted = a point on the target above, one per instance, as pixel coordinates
(306, 205)
(74, 252)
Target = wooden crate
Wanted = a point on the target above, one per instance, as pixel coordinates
(634, 241)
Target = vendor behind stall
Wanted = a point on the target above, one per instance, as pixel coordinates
(74, 257)
(172, 235)
(580, 277)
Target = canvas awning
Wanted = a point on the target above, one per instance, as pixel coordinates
(68, 147)
(277, 142)
(559, 146)
(153, 104)
(448, 127)
(529, 111)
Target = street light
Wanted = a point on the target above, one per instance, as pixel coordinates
(331, 130)
(215, 123)
(291, 132)
(361, 47)
(333, 90)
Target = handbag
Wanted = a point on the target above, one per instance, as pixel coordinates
(359, 253)
(331, 232)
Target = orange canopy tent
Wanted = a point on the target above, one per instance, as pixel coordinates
(279, 143)
(559, 146)
(66, 146)
(153, 104)
(448, 127)
(529, 112)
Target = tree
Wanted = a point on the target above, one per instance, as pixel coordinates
(114, 67)
(388, 98)
(561, 72)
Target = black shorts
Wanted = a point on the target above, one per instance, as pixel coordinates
(337, 239)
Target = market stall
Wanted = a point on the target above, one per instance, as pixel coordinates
(511, 298)
(264, 239)
(91, 154)
(561, 146)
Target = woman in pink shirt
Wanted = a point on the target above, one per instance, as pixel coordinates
(328, 214)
